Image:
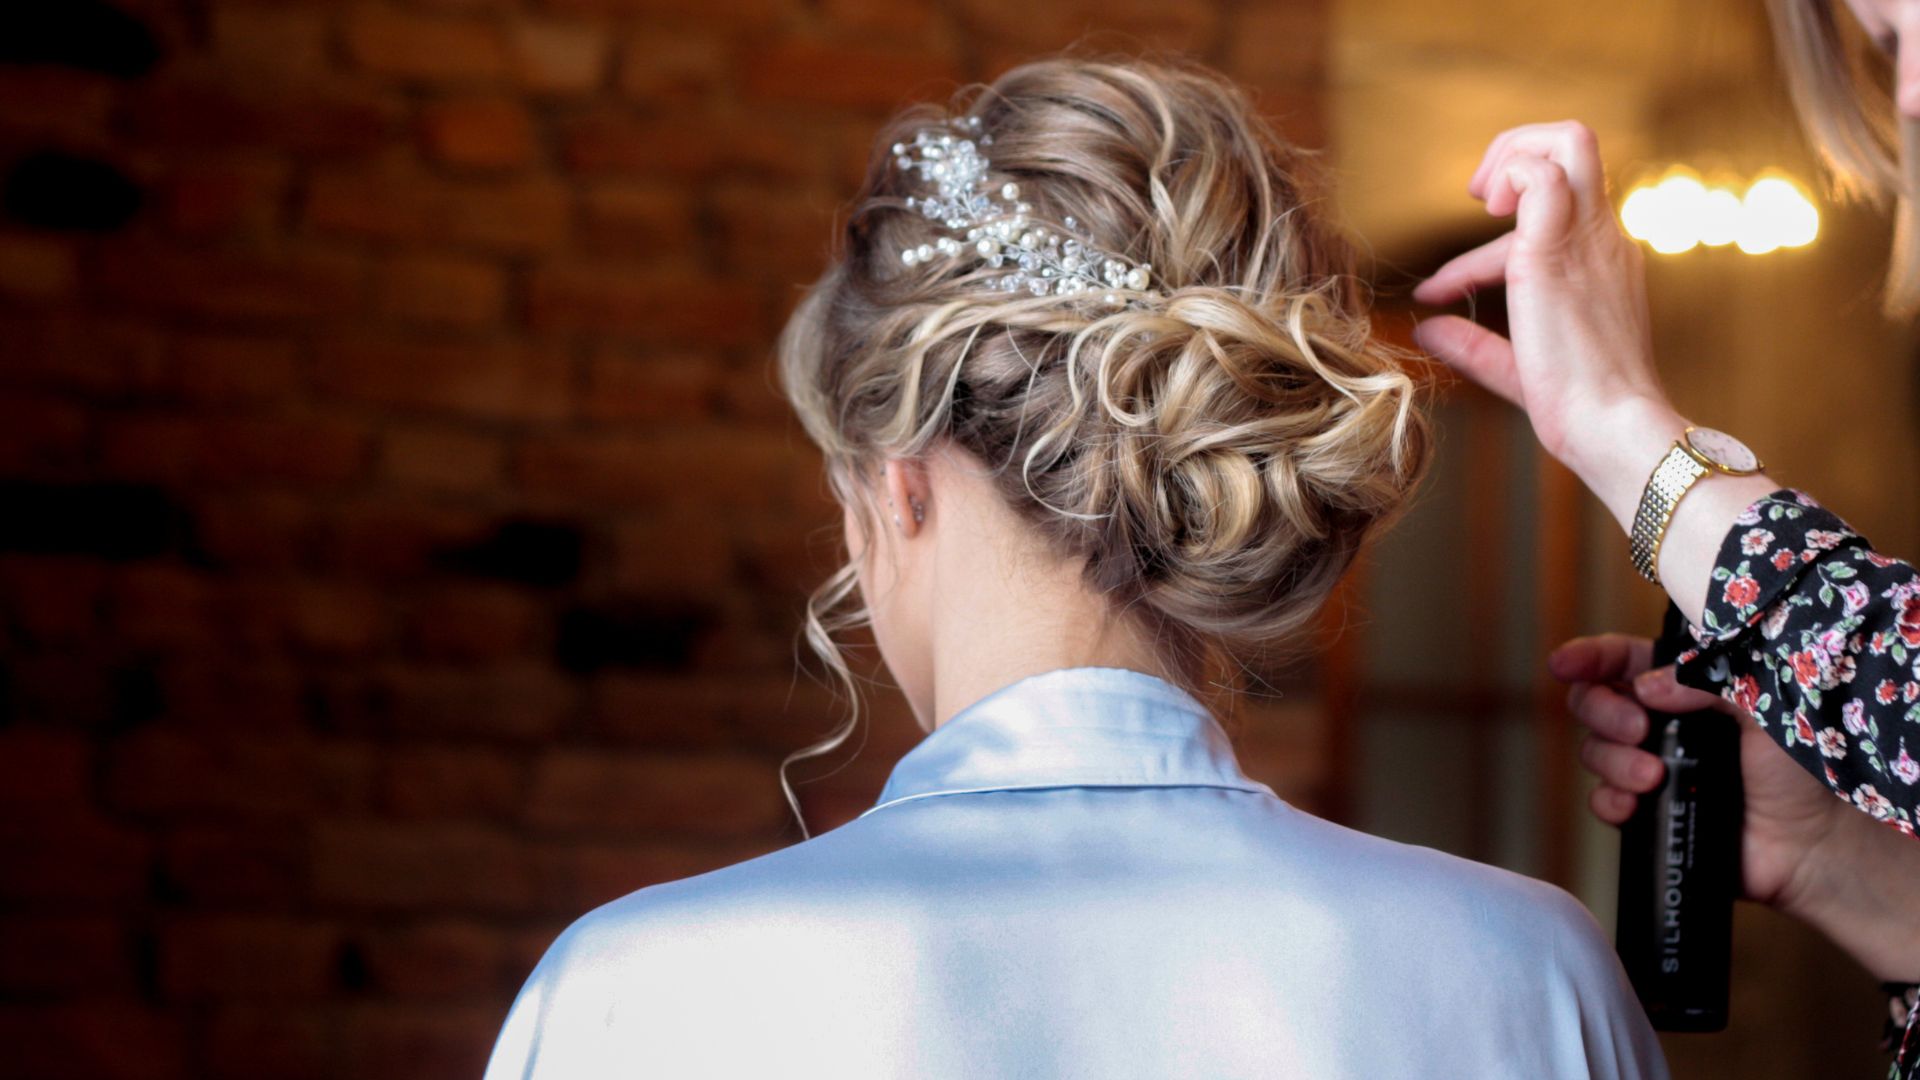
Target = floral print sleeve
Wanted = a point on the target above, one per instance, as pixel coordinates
(1818, 636)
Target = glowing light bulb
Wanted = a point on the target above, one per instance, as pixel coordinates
(1775, 214)
(1680, 213)
(1720, 218)
(1640, 213)
(1676, 223)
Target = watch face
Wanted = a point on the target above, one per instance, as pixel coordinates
(1730, 452)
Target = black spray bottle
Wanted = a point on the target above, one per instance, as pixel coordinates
(1680, 862)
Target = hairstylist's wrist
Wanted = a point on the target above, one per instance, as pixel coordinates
(1615, 447)
(1854, 885)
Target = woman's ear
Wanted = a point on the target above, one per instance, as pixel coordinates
(909, 492)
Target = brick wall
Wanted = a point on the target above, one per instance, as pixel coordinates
(402, 539)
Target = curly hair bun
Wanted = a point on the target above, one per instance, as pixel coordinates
(1217, 452)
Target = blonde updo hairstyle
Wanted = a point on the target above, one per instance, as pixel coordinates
(1216, 454)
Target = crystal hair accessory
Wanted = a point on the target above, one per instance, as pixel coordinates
(1044, 261)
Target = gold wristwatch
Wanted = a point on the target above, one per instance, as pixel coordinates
(1695, 453)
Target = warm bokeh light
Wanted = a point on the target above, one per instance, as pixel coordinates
(1680, 212)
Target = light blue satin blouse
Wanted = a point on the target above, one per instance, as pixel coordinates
(1072, 878)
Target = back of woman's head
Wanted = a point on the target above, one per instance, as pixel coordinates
(1216, 446)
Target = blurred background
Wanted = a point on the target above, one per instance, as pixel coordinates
(404, 540)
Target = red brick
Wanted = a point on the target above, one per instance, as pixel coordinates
(777, 713)
(451, 782)
(623, 386)
(691, 146)
(329, 619)
(238, 864)
(72, 859)
(278, 39)
(578, 876)
(217, 689)
(260, 530)
(782, 558)
(48, 101)
(664, 548)
(53, 599)
(701, 794)
(556, 57)
(237, 286)
(659, 711)
(244, 1042)
(850, 76)
(36, 267)
(650, 220)
(737, 15)
(391, 539)
(479, 133)
(731, 467)
(527, 943)
(162, 606)
(1280, 43)
(475, 622)
(42, 435)
(644, 305)
(348, 773)
(224, 197)
(65, 955)
(445, 1042)
(512, 381)
(441, 459)
(62, 688)
(322, 120)
(753, 394)
(773, 232)
(1024, 27)
(223, 370)
(248, 957)
(220, 451)
(911, 20)
(662, 67)
(43, 771)
(89, 355)
(514, 701)
(441, 290)
(94, 1040)
(419, 867)
(164, 772)
(444, 958)
(425, 47)
(517, 216)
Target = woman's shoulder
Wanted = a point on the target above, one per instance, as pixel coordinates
(1445, 897)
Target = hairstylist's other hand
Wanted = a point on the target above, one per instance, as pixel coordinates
(1580, 361)
(1802, 850)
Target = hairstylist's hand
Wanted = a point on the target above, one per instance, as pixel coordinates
(1580, 361)
(1803, 851)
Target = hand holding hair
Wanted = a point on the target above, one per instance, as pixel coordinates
(1580, 359)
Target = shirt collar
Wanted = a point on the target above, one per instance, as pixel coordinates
(1072, 727)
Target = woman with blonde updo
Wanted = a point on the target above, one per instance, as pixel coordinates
(1095, 385)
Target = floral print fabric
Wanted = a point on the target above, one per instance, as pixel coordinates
(1817, 635)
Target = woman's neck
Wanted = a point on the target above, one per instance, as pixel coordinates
(1004, 615)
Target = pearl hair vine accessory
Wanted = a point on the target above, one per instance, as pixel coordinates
(1044, 262)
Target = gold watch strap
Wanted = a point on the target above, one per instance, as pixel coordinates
(1670, 480)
